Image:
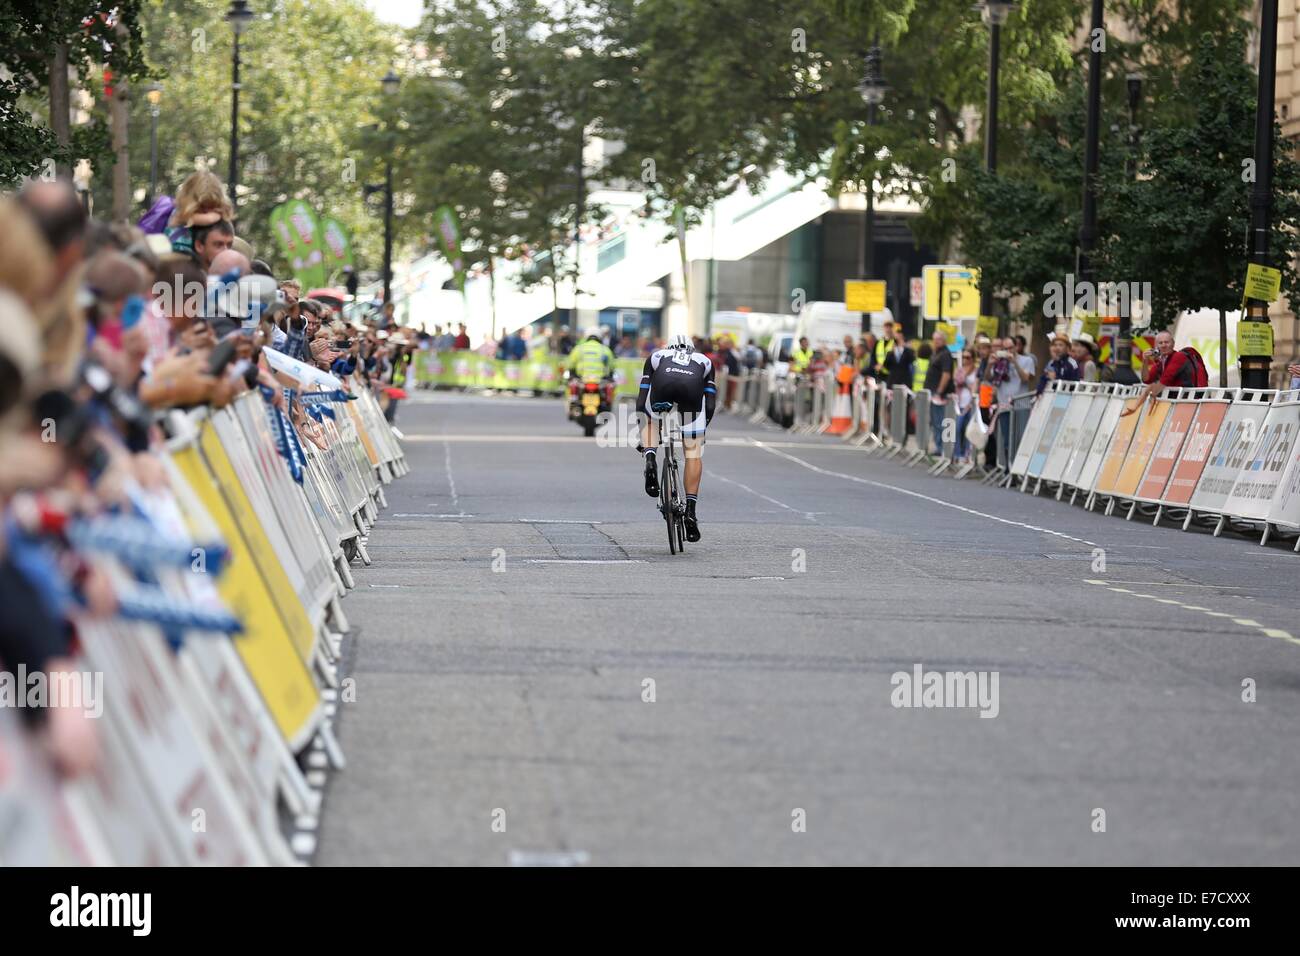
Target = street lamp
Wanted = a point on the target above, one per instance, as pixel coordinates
(153, 93)
(390, 84)
(994, 13)
(1088, 224)
(873, 89)
(1124, 374)
(1254, 332)
(239, 17)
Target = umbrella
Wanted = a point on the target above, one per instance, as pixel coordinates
(333, 297)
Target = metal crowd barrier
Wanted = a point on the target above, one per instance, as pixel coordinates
(253, 517)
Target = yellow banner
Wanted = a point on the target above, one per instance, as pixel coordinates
(274, 664)
(864, 296)
(1139, 452)
(987, 325)
(1118, 449)
(295, 618)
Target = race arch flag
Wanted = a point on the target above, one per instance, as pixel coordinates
(448, 229)
(337, 246)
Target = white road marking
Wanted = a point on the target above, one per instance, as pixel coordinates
(1274, 632)
(549, 858)
(740, 484)
(584, 561)
(1179, 584)
(409, 514)
(767, 446)
(556, 521)
(455, 501)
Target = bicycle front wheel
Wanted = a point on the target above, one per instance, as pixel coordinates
(667, 498)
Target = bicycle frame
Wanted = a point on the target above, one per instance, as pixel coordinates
(672, 499)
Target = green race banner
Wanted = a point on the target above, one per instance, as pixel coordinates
(299, 233)
(337, 246)
(542, 374)
(448, 230)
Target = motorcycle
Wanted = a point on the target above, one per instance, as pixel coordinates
(587, 400)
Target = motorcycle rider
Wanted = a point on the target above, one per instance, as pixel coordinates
(591, 360)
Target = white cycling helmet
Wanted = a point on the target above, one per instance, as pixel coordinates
(592, 332)
(680, 341)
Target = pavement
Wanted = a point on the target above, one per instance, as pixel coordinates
(538, 682)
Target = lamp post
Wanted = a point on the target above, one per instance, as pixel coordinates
(238, 16)
(994, 13)
(1088, 226)
(153, 93)
(1124, 374)
(390, 84)
(873, 89)
(1254, 332)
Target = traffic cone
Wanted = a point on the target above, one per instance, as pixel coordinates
(842, 410)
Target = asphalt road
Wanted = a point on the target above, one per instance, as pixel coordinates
(522, 594)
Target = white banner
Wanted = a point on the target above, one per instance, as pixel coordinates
(1237, 436)
(1264, 468)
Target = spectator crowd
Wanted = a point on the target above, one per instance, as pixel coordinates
(106, 329)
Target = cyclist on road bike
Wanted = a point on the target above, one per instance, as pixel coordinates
(681, 376)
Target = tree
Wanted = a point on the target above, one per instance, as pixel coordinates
(1183, 224)
(310, 77)
(497, 130)
(84, 35)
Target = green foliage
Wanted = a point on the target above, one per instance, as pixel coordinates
(97, 34)
(310, 72)
(1183, 225)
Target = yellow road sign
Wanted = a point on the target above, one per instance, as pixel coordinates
(864, 296)
(961, 292)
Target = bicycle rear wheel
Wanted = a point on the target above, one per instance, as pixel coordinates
(666, 502)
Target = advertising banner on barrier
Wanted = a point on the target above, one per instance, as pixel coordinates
(1237, 436)
(1262, 472)
(1285, 509)
(1117, 450)
(266, 647)
(1140, 449)
(140, 687)
(1087, 434)
(1034, 427)
(37, 830)
(1089, 472)
(1071, 434)
(266, 539)
(546, 375)
(1201, 435)
(1167, 450)
(304, 373)
(1060, 404)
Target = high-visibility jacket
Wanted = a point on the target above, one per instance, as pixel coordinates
(399, 370)
(919, 368)
(799, 359)
(591, 360)
(882, 349)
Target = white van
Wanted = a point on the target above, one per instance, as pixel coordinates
(825, 324)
